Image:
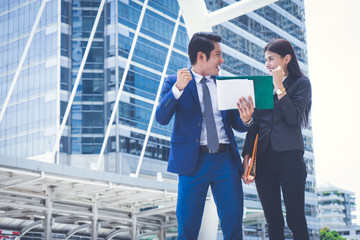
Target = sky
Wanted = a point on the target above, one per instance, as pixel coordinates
(333, 36)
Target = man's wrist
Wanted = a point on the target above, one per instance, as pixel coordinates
(176, 92)
(176, 85)
(249, 122)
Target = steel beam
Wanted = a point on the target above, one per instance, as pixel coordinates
(116, 232)
(118, 96)
(24, 182)
(133, 224)
(95, 218)
(29, 227)
(234, 10)
(197, 18)
(195, 15)
(77, 81)
(158, 94)
(75, 230)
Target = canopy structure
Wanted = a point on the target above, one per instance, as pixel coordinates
(45, 198)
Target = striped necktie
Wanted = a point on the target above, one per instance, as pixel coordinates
(212, 137)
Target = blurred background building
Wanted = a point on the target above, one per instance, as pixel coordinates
(336, 206)
(32, 122)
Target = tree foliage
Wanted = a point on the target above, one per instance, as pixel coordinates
(326, 234)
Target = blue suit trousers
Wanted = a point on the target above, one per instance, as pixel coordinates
(221, 172)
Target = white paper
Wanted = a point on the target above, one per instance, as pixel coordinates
(230, 91)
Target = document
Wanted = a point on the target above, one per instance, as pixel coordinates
(230, 89)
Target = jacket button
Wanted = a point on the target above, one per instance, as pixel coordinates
(197, 140)
(199, 124)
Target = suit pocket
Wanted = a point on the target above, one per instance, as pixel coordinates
(178, 138)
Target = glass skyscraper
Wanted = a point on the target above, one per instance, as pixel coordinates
(37, 106)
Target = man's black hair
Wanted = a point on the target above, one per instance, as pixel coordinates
(202, 42)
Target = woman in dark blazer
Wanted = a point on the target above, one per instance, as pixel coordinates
(280, 164)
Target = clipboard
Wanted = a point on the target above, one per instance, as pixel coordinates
(263, 89)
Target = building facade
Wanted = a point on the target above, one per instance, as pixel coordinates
(37, 107)
(336, 206)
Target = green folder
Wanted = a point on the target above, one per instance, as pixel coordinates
(263, 89)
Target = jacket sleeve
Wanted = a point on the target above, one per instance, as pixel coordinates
(236, 122)
(167, 104)
(293, 109)
(251, 135)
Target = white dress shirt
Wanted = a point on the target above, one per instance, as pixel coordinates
(217, 114)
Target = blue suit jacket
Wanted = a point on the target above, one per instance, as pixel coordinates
(185, 139)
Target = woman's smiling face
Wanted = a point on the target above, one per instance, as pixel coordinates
(273, 60)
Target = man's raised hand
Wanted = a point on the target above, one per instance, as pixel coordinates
(183, 78)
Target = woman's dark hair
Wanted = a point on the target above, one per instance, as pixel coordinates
(284, 47)
(202, 42)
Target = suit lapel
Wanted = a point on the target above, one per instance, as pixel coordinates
(288, 81)
(193, 90)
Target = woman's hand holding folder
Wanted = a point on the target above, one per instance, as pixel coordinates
(249, 165)
(246, 170)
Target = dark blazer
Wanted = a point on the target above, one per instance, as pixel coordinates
(281, 125)
(185, 139)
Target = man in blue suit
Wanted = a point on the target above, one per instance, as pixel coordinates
(203, 149)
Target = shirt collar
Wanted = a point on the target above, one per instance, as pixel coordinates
(198, 77)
